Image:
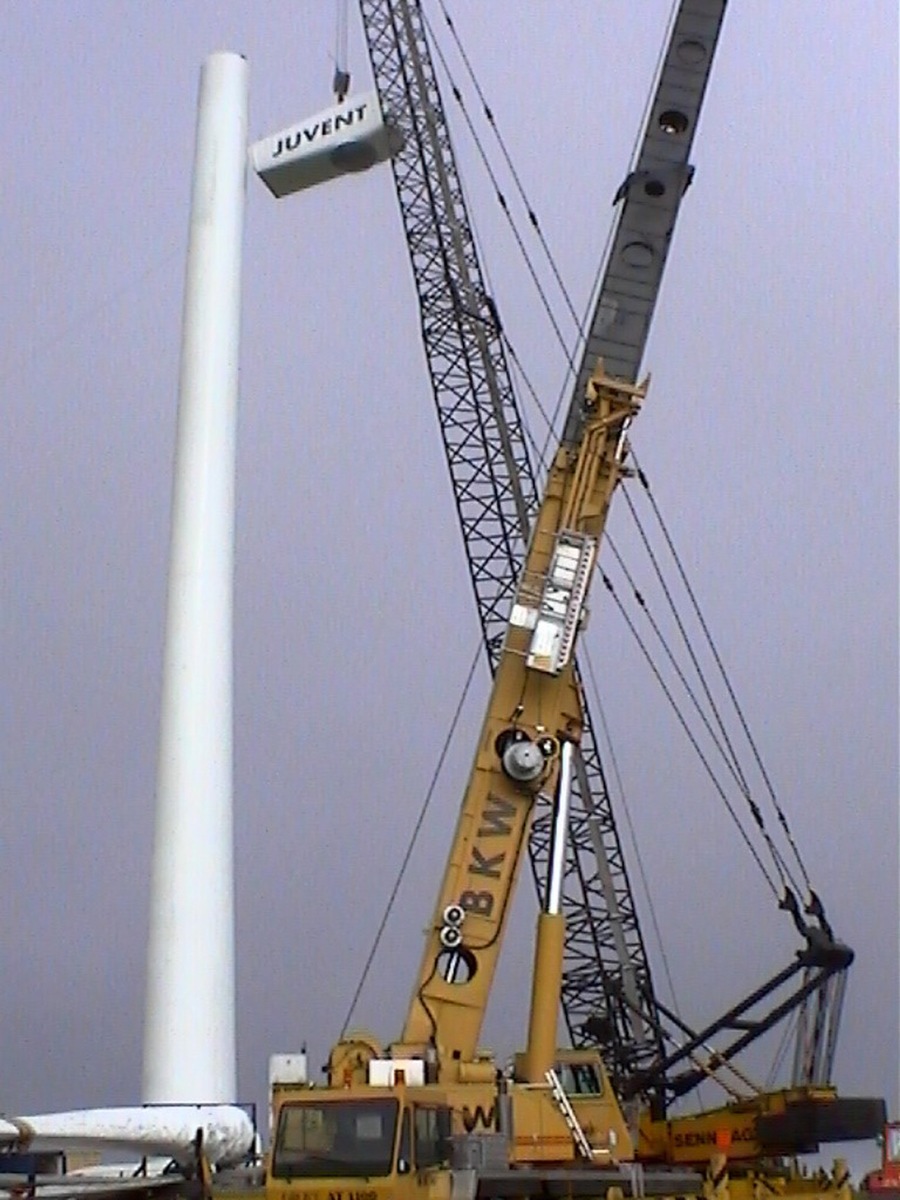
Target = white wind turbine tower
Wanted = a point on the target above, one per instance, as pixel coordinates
(190, 1073)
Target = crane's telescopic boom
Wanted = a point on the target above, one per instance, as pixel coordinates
(650, 198)
(535, 706)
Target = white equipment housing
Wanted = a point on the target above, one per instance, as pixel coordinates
(286, 1070)
(348, 137)
(384, 1072)
(559, 610)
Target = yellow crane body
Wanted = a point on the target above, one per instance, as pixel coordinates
(414, 1140)
(410, 1120)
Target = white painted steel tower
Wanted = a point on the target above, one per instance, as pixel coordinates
(189, 1032)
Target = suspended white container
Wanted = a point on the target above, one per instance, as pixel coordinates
(348, 137)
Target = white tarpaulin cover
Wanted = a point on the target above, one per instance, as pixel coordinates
(228, 1133)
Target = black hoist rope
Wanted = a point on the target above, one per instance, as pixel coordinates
(781, 817)
(580, 324)
(784, 872)
(723, 742)
(532, 215)
(340, 83)
(781, 868)
(414, 836)
(501, 199)
(610, 753)
(787, 1035)
(732, 755)
(608, 584)
(641, 601)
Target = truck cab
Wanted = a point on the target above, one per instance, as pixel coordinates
(359, 1145)
(885, 1182)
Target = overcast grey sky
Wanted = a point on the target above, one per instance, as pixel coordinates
(770, 435)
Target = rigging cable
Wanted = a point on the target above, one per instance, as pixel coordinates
(489, 116)
(782, 819)
(501, 199)
(784, 872)
(733, 763)
(603, 261)
(532, 216)
(641, 601)
(608, 584)
(412, 840)
(639, 858)
(540, 452)
(780, 1054)
(571, 369)
(340, 84)
(499, 329)
(684, 636)
(580, 325)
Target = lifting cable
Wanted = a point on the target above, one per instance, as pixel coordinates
(602, 262)
(641, 601)
(501, 198)
(584, 652)
(550, 422)
(532, 216)
(417, 828)
(782, 819)
(340, 84)
(787, 1036)
(731, 757)
(784, 874)
(608, 584)
(727, 750)
(581, 324)
(540, 451)
(657, 75)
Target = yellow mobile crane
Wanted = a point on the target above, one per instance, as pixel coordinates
(652, 1057)
(432, 1115)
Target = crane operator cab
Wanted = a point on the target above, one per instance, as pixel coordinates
(357, 1147)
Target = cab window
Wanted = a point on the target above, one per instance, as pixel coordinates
(404, 1154)
(579, 1079)
(337, 1138)
(432, 1127)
